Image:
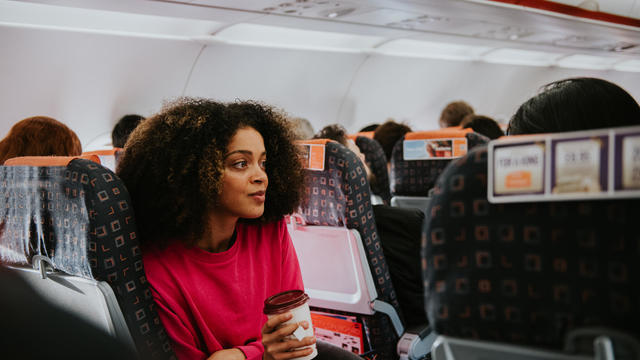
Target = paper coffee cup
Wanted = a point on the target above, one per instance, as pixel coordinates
(296, 302)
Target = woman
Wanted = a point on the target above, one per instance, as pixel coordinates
(211, 183)
(39, 136)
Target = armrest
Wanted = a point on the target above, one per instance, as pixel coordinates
(416, 342)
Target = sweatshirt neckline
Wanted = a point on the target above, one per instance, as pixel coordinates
(211, 257)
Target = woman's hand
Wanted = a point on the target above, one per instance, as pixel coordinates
(227, 354)
(276, 347)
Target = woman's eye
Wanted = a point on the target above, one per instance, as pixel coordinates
(239, 164)
(263, 164)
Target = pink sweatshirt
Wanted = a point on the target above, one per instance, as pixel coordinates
(213, 301)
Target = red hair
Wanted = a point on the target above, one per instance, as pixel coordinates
(39, 136)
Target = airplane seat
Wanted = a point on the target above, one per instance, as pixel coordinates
(339, 229)
(377, 162)
(109, 158)
(518, 253)
(68, 228)
(420, 157)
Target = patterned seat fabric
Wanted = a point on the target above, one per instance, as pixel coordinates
(79, 216)
(527, 272)
(416, 177)
(340, 196)
(377, 162)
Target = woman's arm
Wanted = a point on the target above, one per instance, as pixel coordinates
(227, 354)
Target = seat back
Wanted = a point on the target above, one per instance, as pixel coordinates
(337, 195)
(377, 161)
(420, 157)
(77, 219)
(536, 239)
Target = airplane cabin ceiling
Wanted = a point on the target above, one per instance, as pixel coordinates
(477, 20)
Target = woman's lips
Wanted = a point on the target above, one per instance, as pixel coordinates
(259, 196)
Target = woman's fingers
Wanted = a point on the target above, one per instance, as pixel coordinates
(292, 354)
(287, 347)
(274, 321)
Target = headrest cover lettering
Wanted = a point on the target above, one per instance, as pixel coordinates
(312, 156)
(596, 164)
(434, 149)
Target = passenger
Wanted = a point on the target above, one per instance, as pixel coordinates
(368, 128)
(388, 134)
(303, 129)
(400, 233)
(482, 125)
(338, 133)
(575, 104)
(39, 136)
(453, 113)
(123, 129)
(210, 183)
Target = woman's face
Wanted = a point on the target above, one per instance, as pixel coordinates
(244, 181)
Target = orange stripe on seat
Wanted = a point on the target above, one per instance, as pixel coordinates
(437, 134)
(313, 142)
(102, 152)
(48, 160)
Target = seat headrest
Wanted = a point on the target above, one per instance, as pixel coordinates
(48, 160)
(438, 134)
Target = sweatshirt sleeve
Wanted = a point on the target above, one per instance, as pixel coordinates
(292, 277)
(252, 350)
(183, 341)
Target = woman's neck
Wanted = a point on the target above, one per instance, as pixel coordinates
(218, 233)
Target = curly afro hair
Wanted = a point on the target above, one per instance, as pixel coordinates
(173, 165)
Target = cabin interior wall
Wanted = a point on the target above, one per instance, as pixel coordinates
(88, 80)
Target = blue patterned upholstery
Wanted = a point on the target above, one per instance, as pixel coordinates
(377, 162)
(527, 272)
(80, 218)
(340, 196)
(417, 177)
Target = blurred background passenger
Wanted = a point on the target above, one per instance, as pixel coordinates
(302, 128)
(368, 128)
(338, 133)
(123, 129)
(482, 125)
(388, 134)
(39, 136)
(575, 104)
(453, 113)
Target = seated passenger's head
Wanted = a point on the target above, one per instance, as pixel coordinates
(338, 133)
(39, 136)
(388, 134)
(302, 128)
(575, 104)
(123, 129)
(482, 125)
(453, 113)
(199, 159)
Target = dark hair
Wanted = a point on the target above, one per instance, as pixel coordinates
(388, 134)
(123, 129)
(482, 125)
(454, 112)
(173, 165)
(575, 104)
(39, 136)
(333, 132)
(368, 128)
